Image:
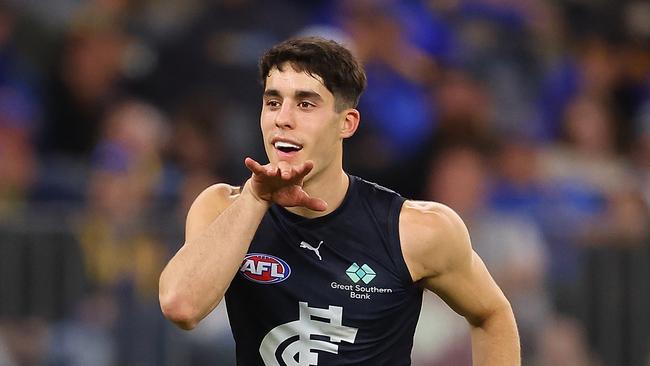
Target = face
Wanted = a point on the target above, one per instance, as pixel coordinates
(299, 121)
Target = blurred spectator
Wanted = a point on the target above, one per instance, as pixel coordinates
(84, 338)
(19, 114)
(18, 164)
(518, 187)
(128, 152)
(564, 344)
(507, 70)
(640, 156)
(25, 342)
(588, 153)
(466, 113)
(583, 171)
(591, 72)
(632, 94)
(124, 251)
(197, 148)
(465, 119)
(83, 83)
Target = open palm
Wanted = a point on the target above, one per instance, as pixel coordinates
(282, 184)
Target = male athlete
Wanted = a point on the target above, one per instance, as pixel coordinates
(319, 267)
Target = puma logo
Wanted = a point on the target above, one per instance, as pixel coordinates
(304, 244)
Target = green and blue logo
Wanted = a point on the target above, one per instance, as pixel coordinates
(363, 273)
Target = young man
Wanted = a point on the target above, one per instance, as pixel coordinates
(319, 267)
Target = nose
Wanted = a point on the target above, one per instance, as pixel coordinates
(284, 118)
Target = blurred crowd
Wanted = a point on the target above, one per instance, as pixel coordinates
(530, 118)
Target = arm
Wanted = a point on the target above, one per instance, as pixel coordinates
(220, 226)
(438, 253)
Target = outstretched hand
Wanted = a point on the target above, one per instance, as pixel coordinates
(281, 183)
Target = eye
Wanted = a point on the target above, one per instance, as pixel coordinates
(305, 105)
(272, 104)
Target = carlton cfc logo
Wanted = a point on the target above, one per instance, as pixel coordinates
(264, 268)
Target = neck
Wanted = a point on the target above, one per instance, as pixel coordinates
(329, 186)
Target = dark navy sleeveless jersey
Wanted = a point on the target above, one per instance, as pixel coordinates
(333, 290)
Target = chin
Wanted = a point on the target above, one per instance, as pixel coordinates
(293, 159)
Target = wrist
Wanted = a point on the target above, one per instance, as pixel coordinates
(248, 191)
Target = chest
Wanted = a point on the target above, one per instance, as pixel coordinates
(340, 265)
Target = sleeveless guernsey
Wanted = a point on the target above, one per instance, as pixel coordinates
(333, 290)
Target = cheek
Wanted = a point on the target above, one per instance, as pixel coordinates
(266, 124)
(325, 139)
(264, 120)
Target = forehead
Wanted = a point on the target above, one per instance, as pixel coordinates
(288, 80)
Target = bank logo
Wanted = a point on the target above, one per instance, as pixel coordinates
(264, 268)
(293, 343)
(363, 273)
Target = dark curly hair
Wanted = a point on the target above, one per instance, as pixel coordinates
(342, 74)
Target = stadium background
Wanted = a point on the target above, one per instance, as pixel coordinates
(531, 118)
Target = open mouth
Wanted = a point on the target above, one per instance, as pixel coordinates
(287, 147)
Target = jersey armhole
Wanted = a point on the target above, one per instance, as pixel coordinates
(395, 242)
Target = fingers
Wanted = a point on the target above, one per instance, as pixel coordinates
(315, 204)
(294, 173)
(312, 203)
(292, 177)
(254, 166)
(285, 170)
(304, 200)
(259, 169)
(304, 169)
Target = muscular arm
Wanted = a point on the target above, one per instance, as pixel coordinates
(437, 249)
(220, 226)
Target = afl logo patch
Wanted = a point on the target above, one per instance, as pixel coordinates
(264, 268)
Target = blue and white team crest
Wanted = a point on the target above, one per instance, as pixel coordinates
(264, 268)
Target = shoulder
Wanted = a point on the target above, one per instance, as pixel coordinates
(372, 189)
(376, 197)
(219, 192)
(208, 205)
(434, 238)
(216, 196)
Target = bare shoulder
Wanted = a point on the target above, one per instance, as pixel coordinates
(433, 238)
(217, 195)
(208, 205)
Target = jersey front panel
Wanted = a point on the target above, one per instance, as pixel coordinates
(328, 291)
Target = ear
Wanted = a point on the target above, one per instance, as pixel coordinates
(350, 123)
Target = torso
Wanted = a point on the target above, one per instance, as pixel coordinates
(306, 294)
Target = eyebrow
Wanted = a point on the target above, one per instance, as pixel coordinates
(299, 94)
(308, 94)
(271, 93)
